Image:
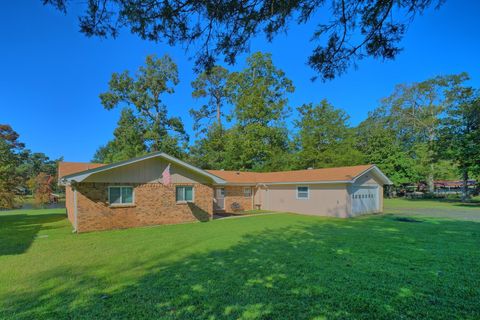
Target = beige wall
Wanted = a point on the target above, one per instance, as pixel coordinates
(324, 200)
(369, 179)
(147, 171)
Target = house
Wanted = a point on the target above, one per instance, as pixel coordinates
(133, 193)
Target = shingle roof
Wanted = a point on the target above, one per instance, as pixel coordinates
(311, 175)
(92, 168)
(66, 168)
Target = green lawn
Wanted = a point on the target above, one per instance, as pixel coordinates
(407, 263)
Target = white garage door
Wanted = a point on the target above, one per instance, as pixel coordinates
(365, 199)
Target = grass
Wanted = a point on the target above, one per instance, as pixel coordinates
(405, 264)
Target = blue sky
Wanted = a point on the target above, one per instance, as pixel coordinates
(51, 75)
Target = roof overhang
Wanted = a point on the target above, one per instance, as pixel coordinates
(375, 170)
(81, 176)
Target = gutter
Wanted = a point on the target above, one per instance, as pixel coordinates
(287, 183)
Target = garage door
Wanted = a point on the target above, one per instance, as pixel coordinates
(365, 200)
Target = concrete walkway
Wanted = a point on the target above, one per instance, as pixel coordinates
(234, 216)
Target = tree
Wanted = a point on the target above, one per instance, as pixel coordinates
(460, 132)
(128, 140)
(324, 138)
(209, 151)
(34, 163)
(259, 98)
(350, 31)
(42, 188)
(415, 111)
(212, 85)
(378, 140)
(143, 94)
(10, 149)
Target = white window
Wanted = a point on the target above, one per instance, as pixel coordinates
(302, 192)
(247, 192)
(120, 195)
(184, 194)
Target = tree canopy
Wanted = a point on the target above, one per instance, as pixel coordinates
(324, 137)
(128, 142)
(143, 93)
(344, 31)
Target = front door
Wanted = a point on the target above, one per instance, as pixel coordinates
(219, 203)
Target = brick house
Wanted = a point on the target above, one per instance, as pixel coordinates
(132, 193)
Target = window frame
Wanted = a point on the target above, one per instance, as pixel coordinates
(121, 203)
(250, 193)
(308, 193)
(185, 201)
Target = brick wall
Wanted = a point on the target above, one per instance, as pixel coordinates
(69, 203)
(154, 204)
(235, 194)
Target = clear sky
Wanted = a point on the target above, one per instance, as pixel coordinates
(51, 75)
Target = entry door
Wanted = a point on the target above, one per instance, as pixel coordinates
(365, 200)
(219, 198)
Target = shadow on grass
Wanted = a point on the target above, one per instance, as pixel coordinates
(359, 269)
(18, 231)
(455, 201)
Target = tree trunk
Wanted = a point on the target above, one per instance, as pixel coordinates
(431, 155)
(430, 179)
(465, 195)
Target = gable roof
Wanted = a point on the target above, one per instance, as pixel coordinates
(68, 168)
(326, 175)
(95, 168)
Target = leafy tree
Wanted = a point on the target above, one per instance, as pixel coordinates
(209, 151)
(42, 188)
(460, 132)
(10, 149)
(349, 31)
(415, 111)
(259, 98)
(35, 163)
(324, 138)
(143, 94)
(378, 141)
(212, 85)
(128, 140)
(259, 92)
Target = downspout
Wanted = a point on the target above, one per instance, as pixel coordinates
(254, 191)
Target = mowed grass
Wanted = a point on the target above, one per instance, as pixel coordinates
(405, 264)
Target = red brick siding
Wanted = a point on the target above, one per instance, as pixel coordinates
(154, 204)
(235, 194)
(69, 203)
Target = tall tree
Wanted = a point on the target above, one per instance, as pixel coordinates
(378, 140)
(460, 132)
(416, 110)
(259, 98)
(128, 140)
(348, 31)
(208, 152)
(33, 163)
(324, 138)
(212, 85)
(143, 93)
(10, 149)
